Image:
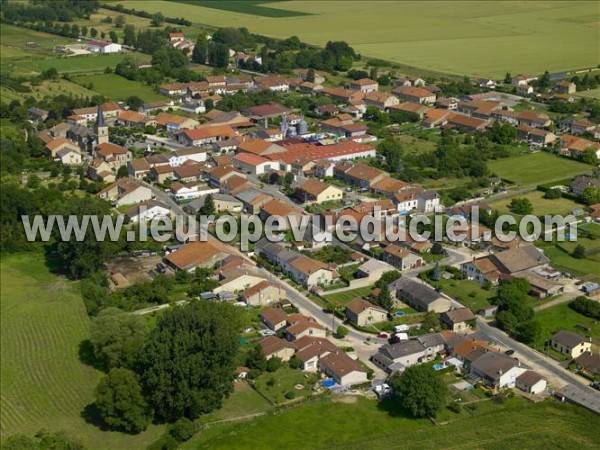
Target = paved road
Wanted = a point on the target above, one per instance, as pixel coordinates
(539, 362)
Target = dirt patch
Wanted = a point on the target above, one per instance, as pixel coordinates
(344, 399)
(124, 271)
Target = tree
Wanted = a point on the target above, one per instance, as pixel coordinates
(195, 347)
(134, 102)
(588, 156)
(521, 206)
(255, 359)
(552, 194)
(342, 331)
(420, 390)
(591, 196)
(310, 75)
(200, 52)
(157, 19)
(384, 299)
(120, 402)
(273, 364)
(208, 208)
(129, 37)
(33, 181)
(218, 55)
(431, 320)
(183, 429)
(75, 31)
(102, 35)
(84, 30)
(113, 37)
(507, 78)
(119, 21)
(117, 337)
(578, 252)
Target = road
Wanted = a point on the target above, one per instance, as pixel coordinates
(546, 366)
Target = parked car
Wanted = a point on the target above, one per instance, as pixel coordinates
(384, 336)
(161, 268)
(595, 385)
(509, 352)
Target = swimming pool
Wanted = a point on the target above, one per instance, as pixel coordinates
(438, 366)
(399, 313)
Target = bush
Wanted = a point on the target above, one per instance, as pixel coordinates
(273, 364)
(290, 395)
(183, 429)
(295, 362)
(341, 332)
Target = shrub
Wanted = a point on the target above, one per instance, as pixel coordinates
(183, 429)
(290, 395)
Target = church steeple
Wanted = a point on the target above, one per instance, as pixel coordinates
(100, 127)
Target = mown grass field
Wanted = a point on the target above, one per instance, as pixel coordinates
(459, 37)
(47, 88)
(342, 298)
(561, 317)
(365, 424)
(535, 168)
(469, 293)
(541, 206)
(13, 43)
(43, 382)
(116, 87)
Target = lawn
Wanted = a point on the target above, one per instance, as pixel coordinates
(561, 259)
(535, 168)
(43, 382)
(541, 206)
(47, 88)
(342, 298)
(116, 87)
(75, 64)
(13, 44)
(276, 385)
(592, 93)
(467, 292)
(430, 36)
(358, 423)
(561, 317)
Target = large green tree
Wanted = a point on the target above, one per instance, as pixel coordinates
(188, 363)
(120, 402)
(420, 390)
(117, 337)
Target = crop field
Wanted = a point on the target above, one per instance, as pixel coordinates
(116, 87)
(482, 38)
(358, 423)
(43, 382)
(535, 168)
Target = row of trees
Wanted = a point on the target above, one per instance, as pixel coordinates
(182, 368)
(57, 10)
(587, 307)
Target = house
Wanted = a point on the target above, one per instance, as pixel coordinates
(310, 349)
(126, 191)
(565, 87)
(419, 296)
(401, 258)
(373, 269)
(99, 170)
(303, 74)
(197, 254)
(69, 156)
(362, 175)
(188, 172)
(524, 89)
(315, 191)
(428, 201)
(535, 136)
(253, 200)
(272, 83)
(416, 110)
(160, 174)
(299, 326)
(109, 110)
(486, 83)
(570, 343)
(260, 147)
(97, 46)
(275, 319)
(185, 155)
(582, 126)
(275, 347)
(114, 155)
(533, 119)
(496, 370)
(173, 122)
(482, 270)
(467, 124)
(55, 145)
(308, 272)
(172, 90)
(414, 95)
(396, 357)
(364, 85)
(522, 79)
(262, 294)
(362, 313)
(531, 382)
(343, 369)
(135, 119)
(253, 164)
(381, 100)
(588, 363)
(281, 212)
(147, 211)
(222, 203)
(205, 135)
(575, 146)
(37, 114)
(458, 320)
(189, 191)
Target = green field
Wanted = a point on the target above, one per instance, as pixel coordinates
(365, 424)
(74, 64)
(535, 168)
(469, 293)
(116, 87)
(592, 93)
(459, 37)
(47, 88)
(13, 43)
(541, 206)
(561, 317)
(341, 298)
(43, 382)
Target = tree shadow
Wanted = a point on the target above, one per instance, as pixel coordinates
(86, 355)
(52, 261)
(392, 406)
(92, 416)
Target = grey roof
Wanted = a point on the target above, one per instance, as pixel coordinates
(427, 195)
(432, 340)
(248, 195)
(80, 130)
(568, 338)
(401, 349)
(418, 291)
(518, 259)
(493, 365)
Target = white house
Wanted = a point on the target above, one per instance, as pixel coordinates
(103, 46)
(69, 156)
(428, 201)
(147, 211)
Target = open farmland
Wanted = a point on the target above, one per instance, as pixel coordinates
(14, 40)
(363, 424)
(458, 37)
(43, 382)
(116, 87)
(535, 168)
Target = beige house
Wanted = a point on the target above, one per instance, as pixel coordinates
(361, 312)
(237, 282)
(299, 326)
(569, 343)
(274, 347)
(274, 318)
(308, 272)
(458, 320)
(343, 369)
(316, 191)
(401, 258)
(126, 191)
(262, 294)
